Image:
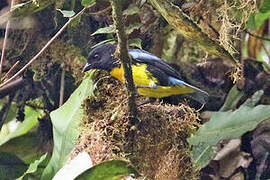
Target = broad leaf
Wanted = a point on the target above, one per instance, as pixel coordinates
(226, 125)
(232, 99)
(105, 30)
(256, 20)
(66, 120)
(111, 29)
(30, 120)
(25, 147)
(137, 42)
(142, 3)
(103, 42)
(188, 28)
(201, 154)
(67, 13)
(33, 166)
(86, 3)
(110, 170)
(75, 167)
(132, 27)
(131, 10)
(11, 167)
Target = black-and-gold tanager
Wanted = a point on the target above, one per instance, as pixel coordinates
(152, 76)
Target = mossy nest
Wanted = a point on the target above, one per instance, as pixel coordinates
(156, 145)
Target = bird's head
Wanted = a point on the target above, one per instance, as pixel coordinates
(101, 57)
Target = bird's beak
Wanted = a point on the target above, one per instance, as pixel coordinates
(87, 67)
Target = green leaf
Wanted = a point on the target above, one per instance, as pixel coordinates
(25, 147)
(11, 167)
(30, 120)
(142, 3)
(170, 40)
(66, 120)
(137, 42)
(131, 10)
(201, 154)
(103, 42)
(66, 13)
(33, 166)
(227, 125)
(232, 99)
(132, 27)
(256, 21)
(87, 3)
(105, 30)
(76, 166)
(109, 170)
(265, 7)
(75, 21)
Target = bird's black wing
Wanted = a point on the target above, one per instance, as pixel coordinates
(156, 63)
(160, 69)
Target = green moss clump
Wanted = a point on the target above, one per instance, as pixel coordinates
(157, 146)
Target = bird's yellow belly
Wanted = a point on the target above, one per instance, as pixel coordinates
(139, 75)
(141, 78)
(164, 91)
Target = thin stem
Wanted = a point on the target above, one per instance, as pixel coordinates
(5, 44)
(44, 48)
(62, 88)
(266, 51)
(268, 55)
(122, 54)
(10, 70)
(258, 37)
(101, 11)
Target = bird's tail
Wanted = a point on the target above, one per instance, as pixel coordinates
(199, 95)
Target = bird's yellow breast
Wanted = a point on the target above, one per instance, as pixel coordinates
(142, 77)
(139, 72)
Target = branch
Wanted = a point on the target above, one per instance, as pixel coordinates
(181, 22)
(122, 54)
(62, 88)
(5, 44)
(43, 49)
(256, 36)
(13, 87)
(25, 9)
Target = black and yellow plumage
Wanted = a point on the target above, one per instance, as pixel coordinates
(152, 76)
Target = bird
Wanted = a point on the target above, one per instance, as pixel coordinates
(152, 76)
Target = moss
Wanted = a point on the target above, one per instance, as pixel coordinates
(157, 147)
(62, 53)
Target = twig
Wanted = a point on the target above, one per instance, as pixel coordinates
(122, 54)
(268, 55)
(44, 48)
(256, 36)
(62, 88)
(5, 44)
(266, 51)
(9, 71)
(12, 87)
(101, 11)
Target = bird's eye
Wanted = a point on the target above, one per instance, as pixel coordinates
(96, 56)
